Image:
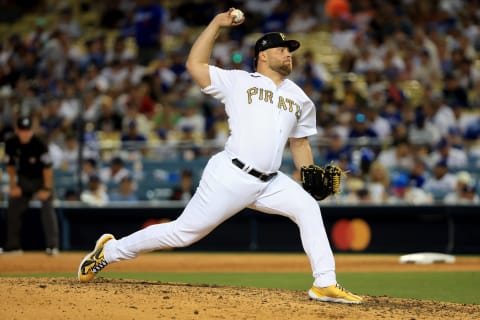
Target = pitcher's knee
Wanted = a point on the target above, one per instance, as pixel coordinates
(312, 205)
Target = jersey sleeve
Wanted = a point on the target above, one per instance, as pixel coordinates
(221, 82)
(307, 123)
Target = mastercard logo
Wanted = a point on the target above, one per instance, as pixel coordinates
(352, 234)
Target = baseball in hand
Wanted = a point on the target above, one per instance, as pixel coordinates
(237, 15)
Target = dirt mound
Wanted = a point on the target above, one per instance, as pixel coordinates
(65, 298)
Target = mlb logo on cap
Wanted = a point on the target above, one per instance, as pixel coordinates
(24, 123)
(274, 40)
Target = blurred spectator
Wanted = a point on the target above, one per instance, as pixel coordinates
(115, 74)
(95, 194)
(191, 119)
(422, 40)
(262, 8)
(393, 61)
(362, 159)
(131, 115)
(355, 191)
(378, 183)
(148, 21)
(67, 23)
(344, 38)
(441, 182)
(302, 19)
(185, 189)
(425, 70)
(125, 193)
(164, 148)
(465, 191)
(188, 144)
(455, 158)
(442, 115)
(69, 106)
(222, 52)
(135, 72)
(112, 15)
(165, 119)
(315, 70)
(399, 185)
(91, 140)
(360, 128)
(453, 93)
(174, 24)
(132, 140)
(55, 152)
(29, 102)
(310, 82)
(417, 196)
(328, 102)
(39, 33)
(463, 120)
(51, 120)
(353, 99)
(90, 105)
(392, 114)
(366, 62)
(394, 92)
(380, 125)
(467, 75)
(93, 55)
(177, 63)
(422, 131)
(70, 153)
(112, 174)
(109, 120)
(337, 149)
(127, 25)
(142, 97)
(398, 156)
(277, 18)
(418, 174)
(71, 195)
(89, 169)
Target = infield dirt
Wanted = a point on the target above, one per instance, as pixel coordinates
(65, 298)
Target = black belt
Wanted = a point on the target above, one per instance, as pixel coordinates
(260, 175)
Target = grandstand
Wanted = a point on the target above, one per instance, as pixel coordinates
(170, 95)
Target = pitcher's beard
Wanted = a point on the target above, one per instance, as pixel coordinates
(284, 69)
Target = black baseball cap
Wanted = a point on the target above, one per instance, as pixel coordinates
(24, 123)
(275, 40)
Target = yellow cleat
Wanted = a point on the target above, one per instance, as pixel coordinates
(334, 293)
(94, 261)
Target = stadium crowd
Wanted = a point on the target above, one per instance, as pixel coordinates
(399, 108)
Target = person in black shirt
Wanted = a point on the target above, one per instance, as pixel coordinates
(30, 173)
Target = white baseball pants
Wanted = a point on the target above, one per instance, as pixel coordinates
(223, 191)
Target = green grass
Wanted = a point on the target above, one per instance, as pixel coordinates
(456, 286)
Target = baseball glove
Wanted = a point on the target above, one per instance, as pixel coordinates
(321, 182)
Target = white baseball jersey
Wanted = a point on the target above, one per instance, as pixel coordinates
(275, 114)
(262, 116)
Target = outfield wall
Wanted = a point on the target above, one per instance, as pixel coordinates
(372, 229)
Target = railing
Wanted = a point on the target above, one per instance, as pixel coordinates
(161, 174)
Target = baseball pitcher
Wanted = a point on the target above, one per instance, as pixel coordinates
(265, 111)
